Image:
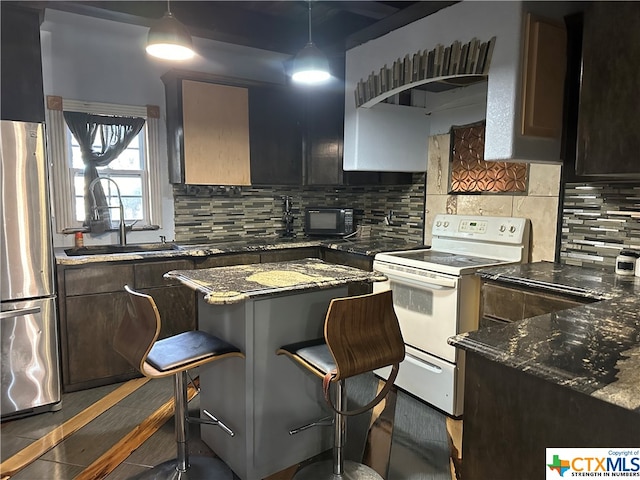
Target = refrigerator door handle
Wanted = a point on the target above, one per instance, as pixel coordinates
(19, 312)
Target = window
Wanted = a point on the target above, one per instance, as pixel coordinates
(135, 171)
(129, 173)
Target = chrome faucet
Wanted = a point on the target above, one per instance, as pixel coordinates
(123, 228)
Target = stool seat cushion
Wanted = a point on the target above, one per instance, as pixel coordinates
(186, 348)
(312, 352)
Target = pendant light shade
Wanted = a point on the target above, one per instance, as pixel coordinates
(310, 66)
(169, 39)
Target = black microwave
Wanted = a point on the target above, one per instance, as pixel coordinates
(329, 221)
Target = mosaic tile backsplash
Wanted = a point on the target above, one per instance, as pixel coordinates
(202, 213)
(599, 220)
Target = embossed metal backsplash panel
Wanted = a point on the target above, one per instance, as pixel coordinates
(471, 174)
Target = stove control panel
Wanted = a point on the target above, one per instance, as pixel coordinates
(511, 230)
(473, 226)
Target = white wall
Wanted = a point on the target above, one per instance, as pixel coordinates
(96, 60)
(463, 21)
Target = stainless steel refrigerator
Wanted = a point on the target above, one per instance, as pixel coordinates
(28, 325)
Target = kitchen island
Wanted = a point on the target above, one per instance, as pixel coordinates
(259, 308)
(565, 379)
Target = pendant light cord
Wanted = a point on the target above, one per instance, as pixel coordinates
(168, 7)
(310, 41)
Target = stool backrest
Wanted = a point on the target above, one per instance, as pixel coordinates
(363, 333)
(138, 329)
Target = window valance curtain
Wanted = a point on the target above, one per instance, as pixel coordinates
(101, 138)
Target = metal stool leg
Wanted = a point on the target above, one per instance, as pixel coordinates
(183, 468)
(338, 468)
(182, 426)
(340, 429)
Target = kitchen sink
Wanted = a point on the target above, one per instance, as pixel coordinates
(131, 248)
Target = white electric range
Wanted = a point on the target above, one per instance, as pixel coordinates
(436, 295)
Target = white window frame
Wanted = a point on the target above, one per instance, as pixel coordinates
(108, 172)
(62, 171)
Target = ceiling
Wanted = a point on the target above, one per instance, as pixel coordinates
(280, 26)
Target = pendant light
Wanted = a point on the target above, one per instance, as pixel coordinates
(169, 39)
(310, 65)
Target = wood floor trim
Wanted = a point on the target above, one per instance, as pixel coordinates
(117, 454)
(29, 454)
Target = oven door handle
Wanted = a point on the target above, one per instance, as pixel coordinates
(418, 281)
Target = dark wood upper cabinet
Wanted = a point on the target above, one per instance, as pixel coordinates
(323, 145)
(21, 64)
(275, 132)
(295, 134)
(324, 134)
(608, 115)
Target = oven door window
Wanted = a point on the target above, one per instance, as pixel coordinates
(428, 315)
(412, 299)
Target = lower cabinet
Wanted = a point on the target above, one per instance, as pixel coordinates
(91, 301)
(504, 304)
(88, 323)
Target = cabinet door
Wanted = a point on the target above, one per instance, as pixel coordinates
(275, 136)
(543, 77)
(21, 84)
(89, 358)
(177, 308)
(608, 109)
(216, 133)
(324, 133)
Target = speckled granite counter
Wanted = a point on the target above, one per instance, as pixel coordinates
(361, 246)
(226, 285)
(565, 379)
(593, 349)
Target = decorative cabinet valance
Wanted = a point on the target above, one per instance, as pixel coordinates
(457, 64)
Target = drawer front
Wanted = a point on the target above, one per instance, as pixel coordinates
(503, 303)
(363, 262)
(541, 304)
(289, 254)
(228, 260)
(85, 280)
(149, 275)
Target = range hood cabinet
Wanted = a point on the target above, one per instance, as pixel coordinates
(504, 138)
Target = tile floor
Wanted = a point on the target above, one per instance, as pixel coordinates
(419, 445)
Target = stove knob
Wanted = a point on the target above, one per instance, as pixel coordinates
(502, 228)
(512, 228)
(446, 224)
(438, 223)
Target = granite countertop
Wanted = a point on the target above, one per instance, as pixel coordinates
(592, 348)
(225, 285)
(361, 246)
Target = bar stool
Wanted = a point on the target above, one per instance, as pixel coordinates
(136, 339)
(361, 334)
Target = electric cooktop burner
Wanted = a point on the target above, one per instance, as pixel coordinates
(454, 263)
